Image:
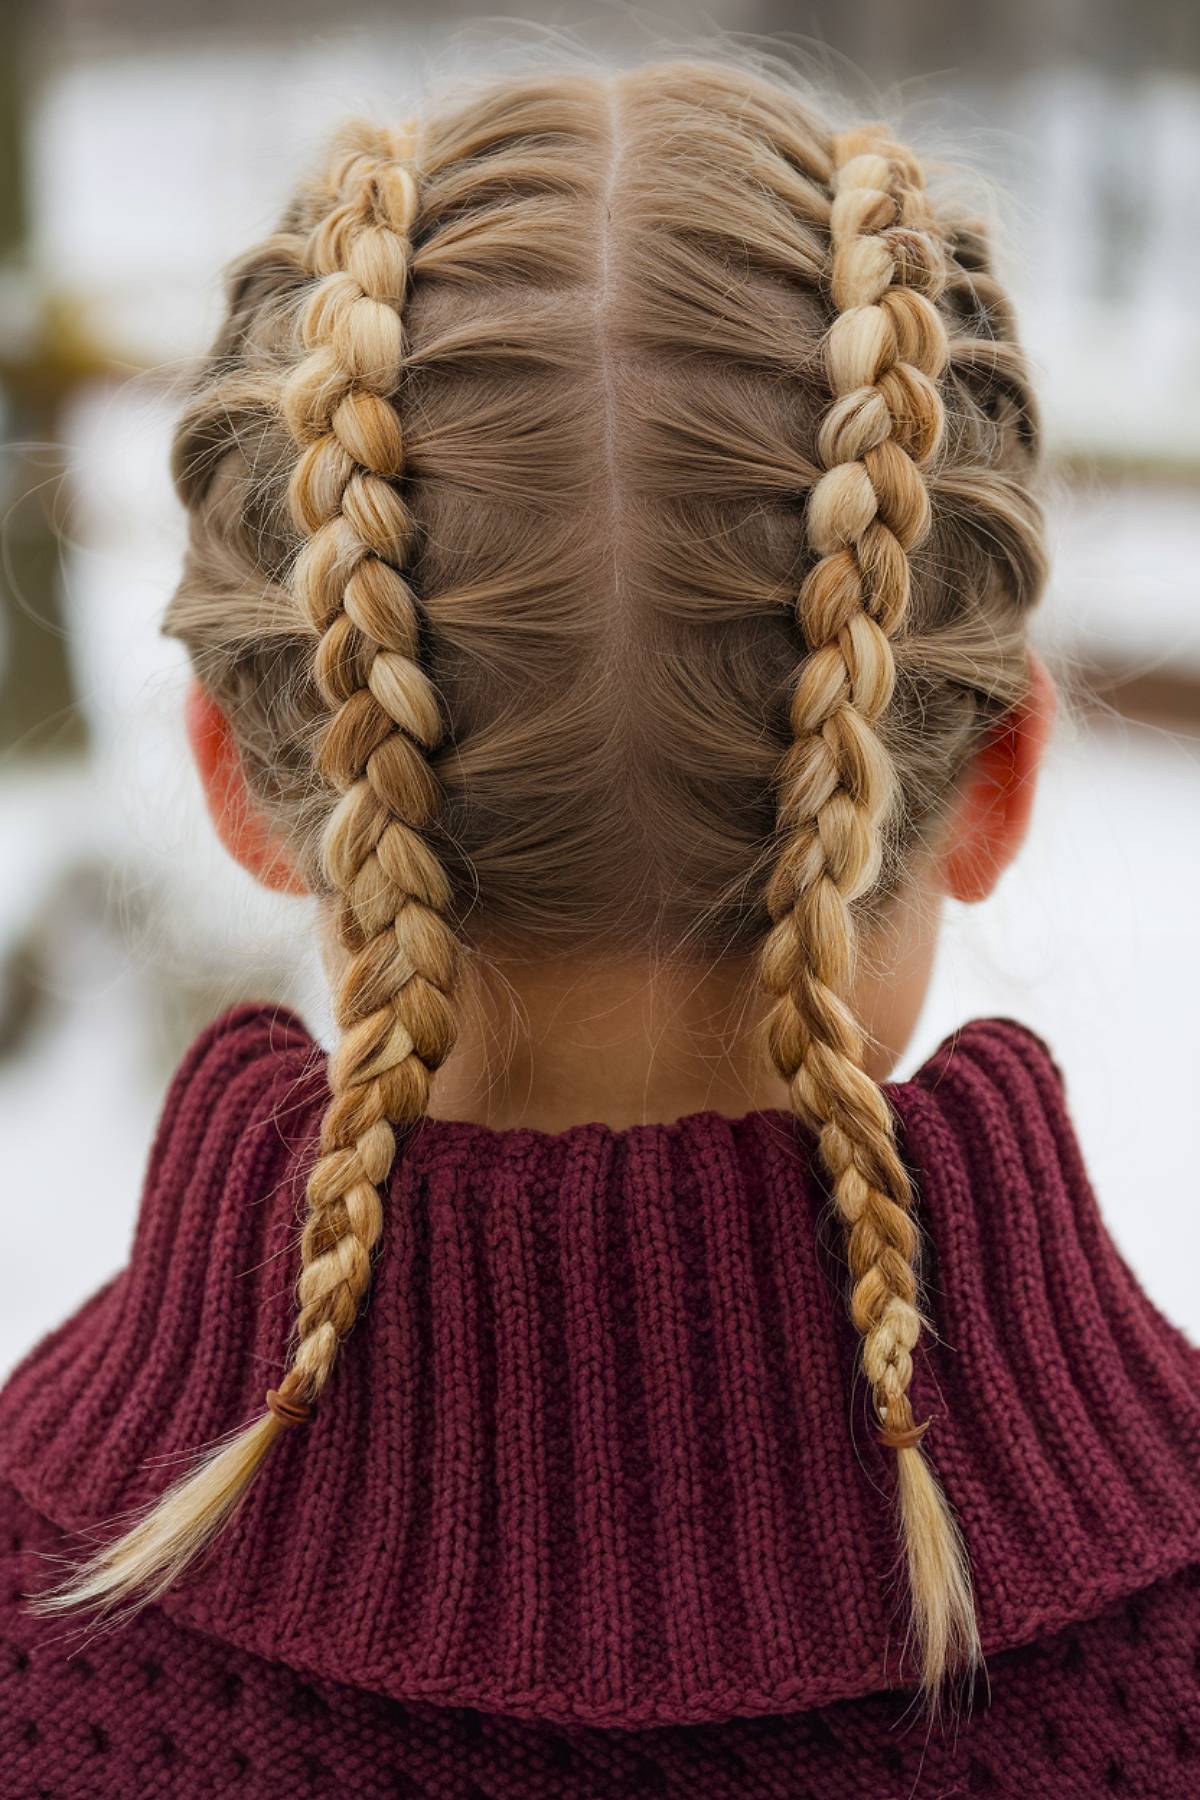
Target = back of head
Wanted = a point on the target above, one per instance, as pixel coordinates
(611, 525)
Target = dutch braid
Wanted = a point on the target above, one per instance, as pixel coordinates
(885, 351)
(392, 1004)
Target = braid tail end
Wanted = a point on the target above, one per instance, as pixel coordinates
(944, 1626)
(140, 1565)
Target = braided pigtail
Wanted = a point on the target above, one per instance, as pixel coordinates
(392, 1003)
(885, 352)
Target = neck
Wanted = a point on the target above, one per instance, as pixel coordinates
(566, 1042)
(638, 1040)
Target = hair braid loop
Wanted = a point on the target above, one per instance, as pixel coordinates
(885, 352)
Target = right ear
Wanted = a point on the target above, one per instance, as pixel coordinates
(239, 823)
(995, 800)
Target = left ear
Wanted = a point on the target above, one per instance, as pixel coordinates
(239, 823)
(995, 801)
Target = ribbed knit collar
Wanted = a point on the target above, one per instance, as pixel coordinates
(596, 1451)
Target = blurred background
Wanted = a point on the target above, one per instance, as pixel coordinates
(143, 142)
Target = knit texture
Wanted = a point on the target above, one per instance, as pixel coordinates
(1109, 1707)
(597, 1458)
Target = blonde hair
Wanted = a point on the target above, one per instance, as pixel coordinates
(607, 462)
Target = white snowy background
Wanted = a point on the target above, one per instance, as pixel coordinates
(149, 169)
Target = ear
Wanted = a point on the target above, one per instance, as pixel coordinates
(995, 801)
(239, 823)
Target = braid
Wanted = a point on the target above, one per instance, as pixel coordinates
(392, 1003)
(885, 352)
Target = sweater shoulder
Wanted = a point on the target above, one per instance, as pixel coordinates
(986, 1122)
(1066, 1424)
(218, 1200)
(1002, 1050)
(246, 1041)
(241, 1076)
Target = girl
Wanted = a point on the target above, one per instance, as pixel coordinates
(613, 533)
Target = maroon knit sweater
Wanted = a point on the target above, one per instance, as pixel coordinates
(593, 1506)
